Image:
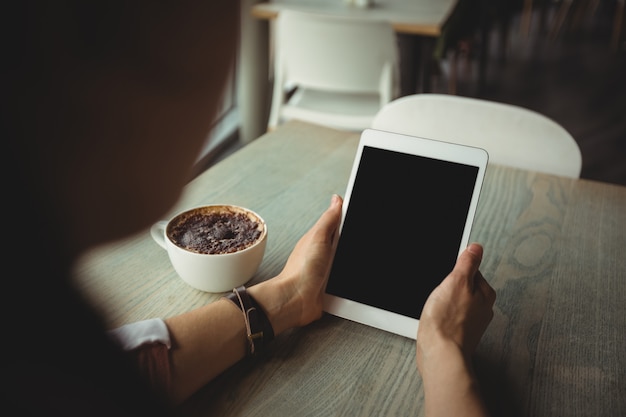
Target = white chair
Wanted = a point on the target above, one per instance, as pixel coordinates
(333, 71)
(512, 135)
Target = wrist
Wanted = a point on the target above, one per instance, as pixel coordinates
(450, 385)
(258, 327)
(278, 303)
(443, 360)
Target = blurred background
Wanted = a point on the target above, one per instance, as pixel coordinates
(572, 69)
(563, 58)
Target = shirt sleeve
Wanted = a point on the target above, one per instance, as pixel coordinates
(134, 335)
(147, 343)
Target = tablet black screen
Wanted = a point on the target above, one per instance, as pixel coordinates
(402, 230)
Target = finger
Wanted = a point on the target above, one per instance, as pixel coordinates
(476, 249)
(329, 221)
(467, 264)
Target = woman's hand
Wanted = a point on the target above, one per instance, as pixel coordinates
(460, 308)
(209, 339)
(452, 323)
(295, 297)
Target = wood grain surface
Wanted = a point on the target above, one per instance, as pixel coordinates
(554, 252)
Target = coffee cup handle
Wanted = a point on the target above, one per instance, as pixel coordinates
(158, 233)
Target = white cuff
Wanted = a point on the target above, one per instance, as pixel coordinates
(133, 335)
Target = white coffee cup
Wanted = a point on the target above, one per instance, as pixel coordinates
(212, 272)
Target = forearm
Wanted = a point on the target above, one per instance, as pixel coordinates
(209, 340)
(205, 342)
(450, 386)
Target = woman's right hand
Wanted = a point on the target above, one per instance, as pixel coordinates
(452, 323)
(459, 309)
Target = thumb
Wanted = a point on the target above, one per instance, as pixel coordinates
(468, 263)
(330, 220)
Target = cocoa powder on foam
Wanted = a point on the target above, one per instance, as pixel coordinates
(215, 232)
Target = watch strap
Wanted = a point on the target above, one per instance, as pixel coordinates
(259, 330)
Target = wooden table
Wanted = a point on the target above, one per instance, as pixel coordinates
(554, 252)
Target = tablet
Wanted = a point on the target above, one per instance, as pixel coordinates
(407, 216)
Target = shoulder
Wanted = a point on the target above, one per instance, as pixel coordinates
(63, 363)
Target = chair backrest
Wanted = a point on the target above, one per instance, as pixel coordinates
(334, 53)
(512, 135)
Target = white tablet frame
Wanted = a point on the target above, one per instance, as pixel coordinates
(446, 151)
